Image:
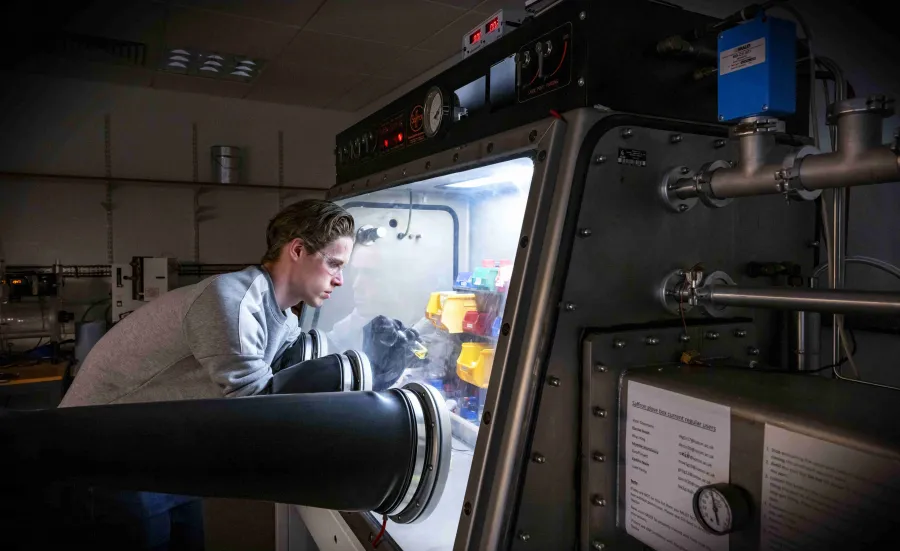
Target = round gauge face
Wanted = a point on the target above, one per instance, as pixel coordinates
(713, 511)
(434, 111)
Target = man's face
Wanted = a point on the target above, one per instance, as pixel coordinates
(314, 276)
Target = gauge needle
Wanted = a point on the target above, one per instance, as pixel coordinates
(716, 512)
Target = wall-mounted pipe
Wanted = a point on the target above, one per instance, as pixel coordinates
(387, 452)
(794, 298)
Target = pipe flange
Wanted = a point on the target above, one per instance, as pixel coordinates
(670, 183)
(703, 179)
(877, 104)
(717, 278)
(362, 369)
(789, 177)
(669, 293)
(318, 344)
(756, 125)
(347, 376)
(432, 464)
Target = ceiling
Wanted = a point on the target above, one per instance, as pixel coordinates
(334, 54)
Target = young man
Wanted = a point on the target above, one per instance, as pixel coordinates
(217, 338)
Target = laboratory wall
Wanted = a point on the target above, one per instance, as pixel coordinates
(58, 126)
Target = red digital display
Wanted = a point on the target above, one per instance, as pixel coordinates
(493, 24)
(475, 37)
(399, 138)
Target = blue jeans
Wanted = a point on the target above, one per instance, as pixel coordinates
(146, 521)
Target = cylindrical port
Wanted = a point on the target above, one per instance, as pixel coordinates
(794, 298)
(300, 449)
(349, 371)
(308, 346)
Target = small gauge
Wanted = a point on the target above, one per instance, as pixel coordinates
(721, 508)
(434, 111)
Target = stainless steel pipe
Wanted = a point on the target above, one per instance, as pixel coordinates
(809, 300)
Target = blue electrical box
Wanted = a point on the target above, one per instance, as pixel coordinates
(757, 69)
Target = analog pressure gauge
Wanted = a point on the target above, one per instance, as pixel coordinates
(721, 508)
(435, 109)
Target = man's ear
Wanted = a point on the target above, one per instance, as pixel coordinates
(297, 248)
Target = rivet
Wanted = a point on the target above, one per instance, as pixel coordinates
(712, 335)
(675, 138)
(581, 81)
(720, 143)
(582, 15)
(570, 307)
(467, 508)
(685, 170)
(523, 242)
(598, 457)
(753, 351)
(486, 418)
(584, 232)
(651, 341)
(542, 155)
(753, 364)
(601, 368)
(431, 467)
(765, 107)
(504, 329)
(597, 546)
(721, 117)
(684, 337)
(618, 343)
(404, 172)
(427, 165)
(532, 135)
(598, 501)
(383, 177)
(553, 381)
(538, 458)
(524, 536)
(490, 147)
(600, 159)
(599, 412)
(627, 133)
(740, 333)
(682, 208)
(455, 157)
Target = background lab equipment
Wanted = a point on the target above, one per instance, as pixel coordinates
(606, 216)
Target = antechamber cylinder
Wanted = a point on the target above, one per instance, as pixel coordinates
(386, 452)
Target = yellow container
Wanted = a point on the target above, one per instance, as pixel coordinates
(474, 364)
(454, 308)
(433, 309)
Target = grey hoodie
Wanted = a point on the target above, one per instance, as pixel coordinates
(217, 338)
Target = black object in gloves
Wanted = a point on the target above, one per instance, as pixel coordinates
(389, 345)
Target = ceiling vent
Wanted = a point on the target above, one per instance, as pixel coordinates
(96, 49)
(211, 64)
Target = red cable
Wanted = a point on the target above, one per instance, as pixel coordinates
(380, 535)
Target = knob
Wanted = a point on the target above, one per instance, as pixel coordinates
(722, 508)
(526, 59)
(538, 48)
(548, 48)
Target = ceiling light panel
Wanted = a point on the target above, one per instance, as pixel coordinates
(219, 65)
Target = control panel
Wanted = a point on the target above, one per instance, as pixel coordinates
(544, 65)
(490, 30)
(393, 133)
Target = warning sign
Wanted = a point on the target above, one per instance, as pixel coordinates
(743, 56)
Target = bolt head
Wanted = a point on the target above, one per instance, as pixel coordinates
(598, 501)
(570, 307)
(581, 81)
(721, 117)
(685, 170)
(524, 536)
(682, 208)
(627, 132)
(684, 337)
(553, 381)
(597, 546)
(599, 412)
(719, 143)
(712, 335)
(600, 159)
(584, 232)
(598, 457)
(765, 107)
(538, 458)
(601, 368)
(753, 364)
(582, 15)
(676, 138)
(651, 341)
(740, 333)
(618, 343)
(753, 351)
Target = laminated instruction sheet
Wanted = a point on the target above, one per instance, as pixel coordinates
(820, 495)
(674, 445)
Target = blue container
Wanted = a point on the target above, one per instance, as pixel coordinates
(495, 327)
(757, 69)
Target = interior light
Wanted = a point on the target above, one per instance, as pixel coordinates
(477, 182)
(240, 74)
(177, 64)
(517, 175)
(181, 52)
(208, 68)
(212, 62)
(247, 62)
(180, 58)
(214, 56)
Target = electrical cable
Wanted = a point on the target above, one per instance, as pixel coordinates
(91, 307)
(377, 540)
(408, 218)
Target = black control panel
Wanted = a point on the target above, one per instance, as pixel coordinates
(544, 65)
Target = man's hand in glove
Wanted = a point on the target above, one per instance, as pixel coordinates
(391, 348)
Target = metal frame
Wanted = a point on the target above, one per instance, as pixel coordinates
(544, 141)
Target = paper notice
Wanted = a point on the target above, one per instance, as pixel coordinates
(674, 445)
(819, 495)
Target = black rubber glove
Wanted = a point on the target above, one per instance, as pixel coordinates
(389, 346)
(318, 375)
